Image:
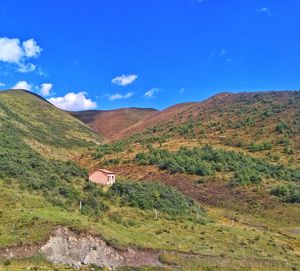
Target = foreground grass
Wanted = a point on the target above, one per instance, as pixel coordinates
(37, 262)
(28, 218)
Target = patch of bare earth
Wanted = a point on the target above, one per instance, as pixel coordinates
(76, 249)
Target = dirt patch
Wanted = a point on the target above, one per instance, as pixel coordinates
(77, 249)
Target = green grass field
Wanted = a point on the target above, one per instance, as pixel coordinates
(28, 218)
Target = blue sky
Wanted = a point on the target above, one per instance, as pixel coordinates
(118, 53)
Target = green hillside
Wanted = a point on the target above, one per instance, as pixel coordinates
(46, 129)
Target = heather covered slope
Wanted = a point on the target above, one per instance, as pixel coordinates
(154, 119)
(43, 127)
(109, 123)
(264, 124)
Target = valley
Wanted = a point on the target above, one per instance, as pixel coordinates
(212, 185)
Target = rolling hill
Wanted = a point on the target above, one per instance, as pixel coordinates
(264, 124)
(200, 186)
(45, 128)
(109, 123)
(250, 115)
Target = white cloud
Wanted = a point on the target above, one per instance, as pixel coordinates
(22, 85)
(151, 93)
(45, 89)
(124, 80)
(2, 84)
(12, 51)
(73, 102)
(266, 11)
(31, 49)
(118, 96)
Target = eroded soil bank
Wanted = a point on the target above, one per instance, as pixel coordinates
(67, 247)
(76, 249)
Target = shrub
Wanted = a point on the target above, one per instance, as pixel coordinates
(154, 195)
(105, 149)
(281, 127)
(255, 147)
(287, 193)
(206, 161)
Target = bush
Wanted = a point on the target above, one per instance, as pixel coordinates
(245, 177)
(281, 127)
(154, 195)
(206, 161)
(255, 147)
(105, 149)
(287, 193)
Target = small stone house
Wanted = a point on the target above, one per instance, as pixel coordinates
(103, 177)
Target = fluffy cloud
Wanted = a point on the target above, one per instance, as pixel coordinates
(124, 80)
(45, 89)
(73, 102)
(22, 85)
(118, 96)
(31, 49)
(151, 93)
(2, 84)
(12, 51)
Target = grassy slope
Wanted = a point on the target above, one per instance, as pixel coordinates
(29, 218)
(45, 128)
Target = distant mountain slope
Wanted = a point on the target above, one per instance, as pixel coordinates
(45, 128)
(110, 123)
(261, 124)
(154, 119)
(244, 113)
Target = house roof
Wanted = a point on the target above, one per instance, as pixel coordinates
(105, 171)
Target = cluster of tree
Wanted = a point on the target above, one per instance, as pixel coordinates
(155, 195)
(206, 160)
(287, 193)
